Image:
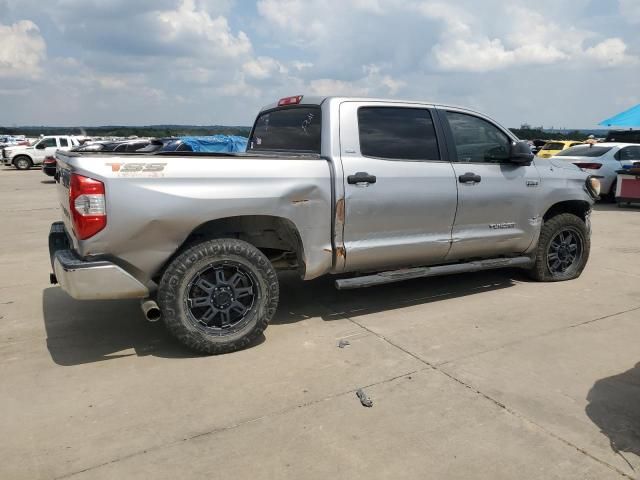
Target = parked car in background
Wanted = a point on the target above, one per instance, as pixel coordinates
(626, 136)
(554, 147)
(537, 145)
(176, 145)
(113, 146)
(49, 166)
(156, 144)
(602, 159)
(24, 157)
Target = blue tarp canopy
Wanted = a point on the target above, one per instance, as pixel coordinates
(216, 143)
(629, 118)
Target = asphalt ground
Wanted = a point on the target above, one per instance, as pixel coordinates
(485, 375)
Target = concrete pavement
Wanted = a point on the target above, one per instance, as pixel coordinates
(475, 376)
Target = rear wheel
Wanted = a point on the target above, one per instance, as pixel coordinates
(563, 249)
(218, 296)
(22, 162)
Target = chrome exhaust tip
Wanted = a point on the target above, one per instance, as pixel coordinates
(151, 310)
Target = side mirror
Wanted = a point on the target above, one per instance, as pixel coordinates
(40, 146)
(521, 153)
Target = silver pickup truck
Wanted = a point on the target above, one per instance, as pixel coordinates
(377, 191)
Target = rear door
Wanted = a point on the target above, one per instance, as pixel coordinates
(400, 191)
(63, 143)
(497, 199)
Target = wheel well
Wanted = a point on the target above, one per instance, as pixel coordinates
(579, 208)
(276, 237)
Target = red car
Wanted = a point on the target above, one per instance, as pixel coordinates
(49, 166)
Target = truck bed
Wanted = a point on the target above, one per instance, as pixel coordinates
(154, 202)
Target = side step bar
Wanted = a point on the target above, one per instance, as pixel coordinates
(419, 272)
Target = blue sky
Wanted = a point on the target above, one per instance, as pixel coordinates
(95, 62)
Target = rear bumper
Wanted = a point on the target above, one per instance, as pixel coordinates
(89, 280)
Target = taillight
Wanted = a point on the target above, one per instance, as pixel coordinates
(290, 101)
(87, 205)
(588, 165)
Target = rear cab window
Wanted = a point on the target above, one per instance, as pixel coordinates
(296, 129)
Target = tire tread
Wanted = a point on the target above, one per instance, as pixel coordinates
(540, 271)
(169, 294)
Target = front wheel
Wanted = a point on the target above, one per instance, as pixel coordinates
(218, 296)
(563, 249)
(23, 163)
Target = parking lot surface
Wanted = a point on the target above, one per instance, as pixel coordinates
(485, 375)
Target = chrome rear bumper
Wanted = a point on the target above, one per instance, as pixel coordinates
(89, 280)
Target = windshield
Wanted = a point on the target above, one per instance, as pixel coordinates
(584, 151)
(291, 128)
(553, 146)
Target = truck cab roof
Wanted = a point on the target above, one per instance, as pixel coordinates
(319, 100)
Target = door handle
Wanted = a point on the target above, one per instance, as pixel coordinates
(469, 177)
(361, 177)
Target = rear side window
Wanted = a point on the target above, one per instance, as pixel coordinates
(63, 142)
(291, 128)
(584, 151)
(397, 133)
(629, 153)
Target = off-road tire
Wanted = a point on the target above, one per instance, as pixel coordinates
(22, 162)
(550, 229)
(179, 275)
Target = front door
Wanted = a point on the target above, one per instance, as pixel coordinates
(46, 147)
(496, 199)
(400, 191)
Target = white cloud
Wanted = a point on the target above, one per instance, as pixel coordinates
(263, 67)
(187, 23)
(22, 50)
(610, 53)
(532, 40)
(373, 82)
(305, 21)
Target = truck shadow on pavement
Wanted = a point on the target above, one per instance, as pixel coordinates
(614, 406)
(80, 332)
(319, 298)
(92, 331)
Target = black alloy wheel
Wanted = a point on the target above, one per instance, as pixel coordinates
(564, 252)
(220, 297)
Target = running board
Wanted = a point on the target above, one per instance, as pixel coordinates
(419, 272)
